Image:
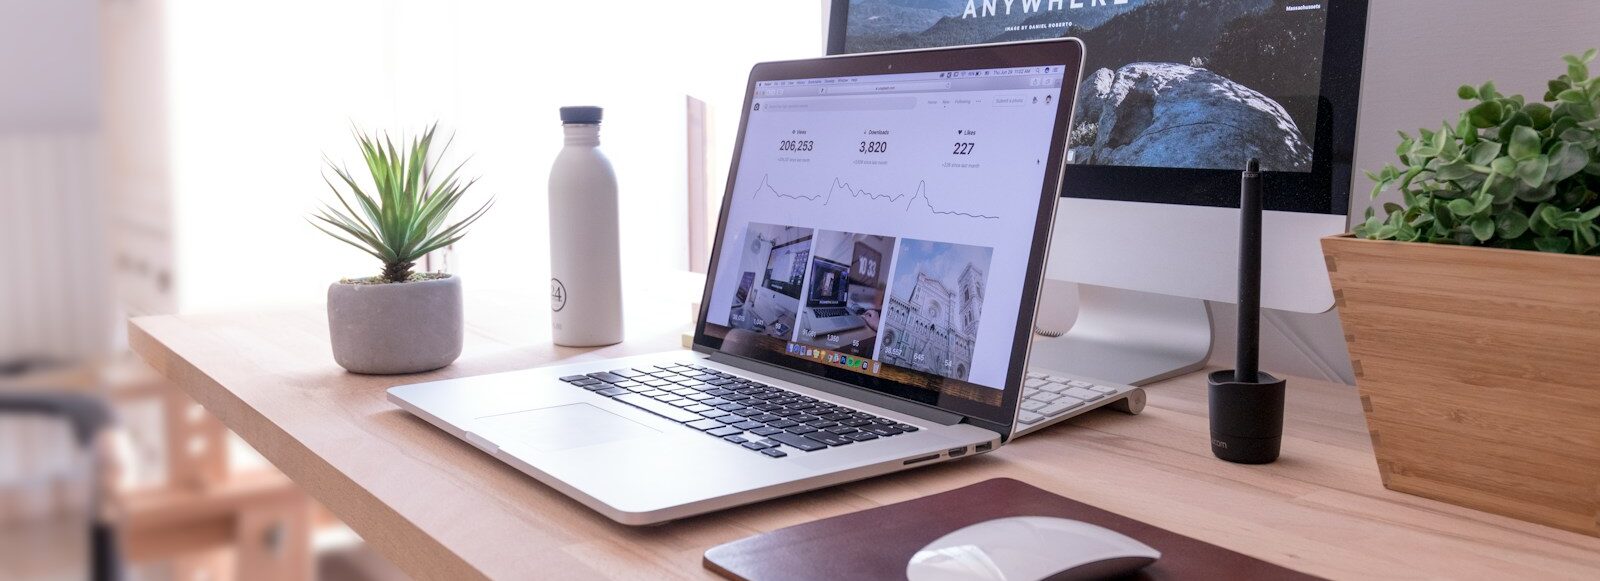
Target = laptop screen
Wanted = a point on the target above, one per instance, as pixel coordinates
(906, 206)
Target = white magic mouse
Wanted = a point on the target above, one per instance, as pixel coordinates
(1029, 548)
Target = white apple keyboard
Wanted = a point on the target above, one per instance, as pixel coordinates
(1050, 396)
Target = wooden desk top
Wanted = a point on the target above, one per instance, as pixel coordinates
(439, 508)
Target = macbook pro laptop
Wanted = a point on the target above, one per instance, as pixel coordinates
(937, 171)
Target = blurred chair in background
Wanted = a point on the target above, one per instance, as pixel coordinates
(88, 418)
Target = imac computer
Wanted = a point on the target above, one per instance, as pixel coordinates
(1176, 96)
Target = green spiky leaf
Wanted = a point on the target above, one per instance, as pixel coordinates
(403, 213)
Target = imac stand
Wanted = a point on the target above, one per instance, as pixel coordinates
(1128, 337)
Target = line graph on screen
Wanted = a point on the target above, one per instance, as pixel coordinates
(841, 190)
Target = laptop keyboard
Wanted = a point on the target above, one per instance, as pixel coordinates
(751, 414)
(829, 312)
(1047, 396)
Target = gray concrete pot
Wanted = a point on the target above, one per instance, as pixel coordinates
(387, 329)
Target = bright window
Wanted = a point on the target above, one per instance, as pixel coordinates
(260, 91)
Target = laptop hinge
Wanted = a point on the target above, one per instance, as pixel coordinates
(842, 389)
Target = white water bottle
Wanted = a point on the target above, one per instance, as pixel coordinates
(585, 264)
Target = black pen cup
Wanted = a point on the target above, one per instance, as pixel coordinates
(1246, 418)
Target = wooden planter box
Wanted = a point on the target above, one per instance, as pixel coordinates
(1479, 371)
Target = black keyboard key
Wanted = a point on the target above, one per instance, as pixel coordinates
(724, 431)
(783, 423)
(585, 382)
(730, 419)
(749, 425)
(715, 401)
(834, 417)
(718, 392)
(820, 424)
(765, 418)
(774, 452)
(796, 441)
(800, 429)
(841, 430)
(855, 422)
(906, 427)
(785, 413)
(827, 438)
(766, 431)
(802, 405)
(862, 436)
(735, 439)
(730, 407)
(706, 424)
(657, 408)
(720, 382)
(767, 407)
(613, 391)
(572, 378)
(737, 397)
(883, 430)
(803, 418)
(608, 377)
(756, 445)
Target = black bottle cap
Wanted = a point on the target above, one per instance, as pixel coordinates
(582, 115)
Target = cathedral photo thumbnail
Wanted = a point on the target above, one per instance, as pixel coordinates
(935, 304)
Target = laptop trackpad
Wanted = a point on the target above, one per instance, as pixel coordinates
(560, 428)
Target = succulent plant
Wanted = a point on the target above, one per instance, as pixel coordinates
(405, 215)
(1509, 173)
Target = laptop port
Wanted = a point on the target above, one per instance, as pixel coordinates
(958, 452)
(984, 447)
(920, 459)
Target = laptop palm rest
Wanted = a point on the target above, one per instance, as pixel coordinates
(561, 427)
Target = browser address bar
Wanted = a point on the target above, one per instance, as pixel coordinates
(886, 87)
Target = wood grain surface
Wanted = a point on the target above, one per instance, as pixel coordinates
(440, 509)
(1479, 369)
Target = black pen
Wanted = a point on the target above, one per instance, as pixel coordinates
(1245, 365)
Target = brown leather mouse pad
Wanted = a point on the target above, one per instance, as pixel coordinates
(877, 543)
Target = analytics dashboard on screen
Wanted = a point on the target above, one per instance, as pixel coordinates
(882, 223)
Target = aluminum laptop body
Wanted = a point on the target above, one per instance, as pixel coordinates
(941, 167)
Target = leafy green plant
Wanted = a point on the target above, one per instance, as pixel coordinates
(1509, 173)
(404, 218)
